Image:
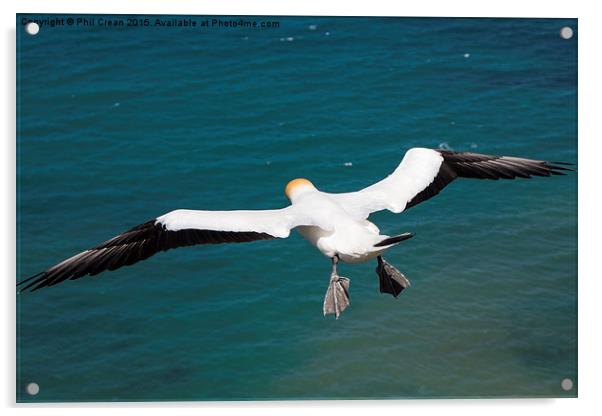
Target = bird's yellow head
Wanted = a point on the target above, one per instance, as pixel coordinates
(296, 186)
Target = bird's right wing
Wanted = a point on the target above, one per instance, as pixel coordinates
(423, 173)
(175, 229)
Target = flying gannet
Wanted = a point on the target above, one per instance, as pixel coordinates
(336, 224)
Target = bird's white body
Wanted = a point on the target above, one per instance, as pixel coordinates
(350, 247)
(350, 239)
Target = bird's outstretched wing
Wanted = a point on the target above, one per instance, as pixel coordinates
(178, 228)
(423, 173)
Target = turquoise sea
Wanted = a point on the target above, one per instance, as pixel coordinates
(117, 125)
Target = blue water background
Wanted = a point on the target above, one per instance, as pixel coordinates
(117, 126)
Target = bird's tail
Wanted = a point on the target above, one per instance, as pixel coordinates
(389, 241)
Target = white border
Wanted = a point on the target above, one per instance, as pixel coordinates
(590, 137)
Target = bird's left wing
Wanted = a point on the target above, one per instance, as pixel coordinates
(175, 229)
(423, 173)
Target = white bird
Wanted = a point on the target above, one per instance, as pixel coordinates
(336, 224)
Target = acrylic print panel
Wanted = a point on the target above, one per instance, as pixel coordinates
(122, 119)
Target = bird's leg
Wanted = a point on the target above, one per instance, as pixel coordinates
(391, 280)
(337, 294)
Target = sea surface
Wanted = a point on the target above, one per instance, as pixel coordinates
(117, 125)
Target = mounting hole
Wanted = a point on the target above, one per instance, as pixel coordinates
(566, 32)
(567, 384)
(32, 28)
(32, 389)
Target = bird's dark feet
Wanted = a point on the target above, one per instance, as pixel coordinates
(337, 294)
(391, 280)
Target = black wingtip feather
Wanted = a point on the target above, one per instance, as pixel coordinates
(28, 279)
(35, 284)
(554, 167)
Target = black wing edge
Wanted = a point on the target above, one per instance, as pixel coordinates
(134, 245)
(478, 166)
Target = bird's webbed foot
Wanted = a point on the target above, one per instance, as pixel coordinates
(337, 294)
(391, 280)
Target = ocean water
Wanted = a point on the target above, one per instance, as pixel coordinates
(119, 125)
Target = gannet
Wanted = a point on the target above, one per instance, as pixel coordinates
(335, 223)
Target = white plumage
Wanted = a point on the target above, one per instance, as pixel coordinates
(334, 223)
(415, 172)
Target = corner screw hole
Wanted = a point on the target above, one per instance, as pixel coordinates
(567, 384)
(32, 28)
(566, 32)
(32, 389)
